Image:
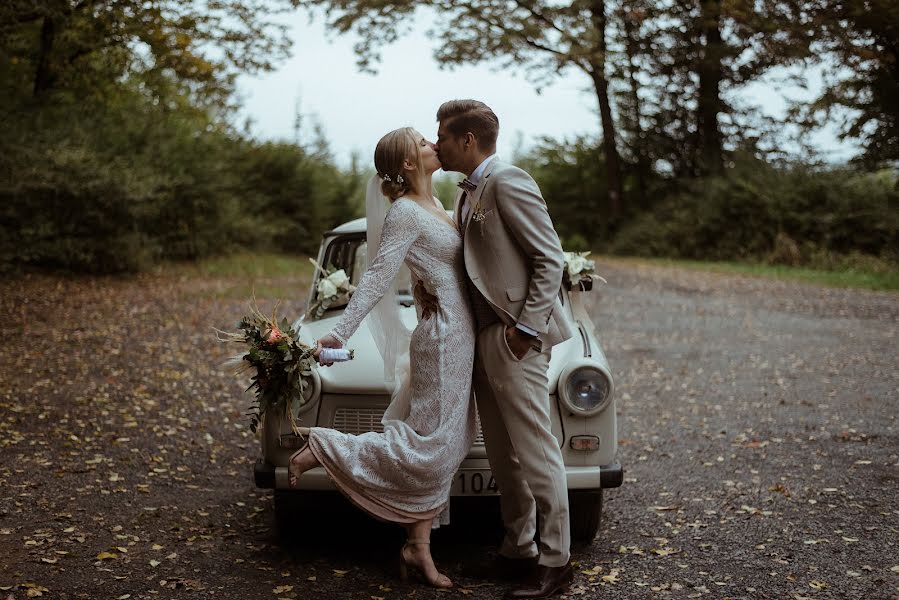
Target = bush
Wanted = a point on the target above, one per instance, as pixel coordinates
(761, 213)
(120, 185)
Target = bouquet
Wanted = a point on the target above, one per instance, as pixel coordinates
(579, 270)
(283, 364)
(333, 287)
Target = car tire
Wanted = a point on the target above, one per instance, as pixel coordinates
(585, 511)
(287, 512)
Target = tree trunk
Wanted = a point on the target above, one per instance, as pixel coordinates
(630, 48)
(43, 77)
(711, 153)
(601, 85)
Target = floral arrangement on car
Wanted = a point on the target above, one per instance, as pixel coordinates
(334, 287)
(579, 271)
(283, 364)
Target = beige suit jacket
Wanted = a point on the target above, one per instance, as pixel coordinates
(513, 254)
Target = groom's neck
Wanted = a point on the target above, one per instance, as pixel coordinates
(476, 161)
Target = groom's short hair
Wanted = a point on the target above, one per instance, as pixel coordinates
(462, 116)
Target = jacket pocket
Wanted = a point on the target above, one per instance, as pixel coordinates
(517, 294)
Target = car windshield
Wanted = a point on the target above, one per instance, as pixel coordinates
(350, 253)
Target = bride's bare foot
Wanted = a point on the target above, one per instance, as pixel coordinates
(417, 556)
(300, 462)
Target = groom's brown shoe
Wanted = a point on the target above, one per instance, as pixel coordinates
(545, 582)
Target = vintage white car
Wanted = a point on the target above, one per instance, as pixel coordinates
(352, 396)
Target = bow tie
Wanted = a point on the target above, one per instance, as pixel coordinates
(468, 185)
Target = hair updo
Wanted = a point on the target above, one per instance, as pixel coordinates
(390, 153)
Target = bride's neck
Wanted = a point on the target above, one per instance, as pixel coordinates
(421, 190)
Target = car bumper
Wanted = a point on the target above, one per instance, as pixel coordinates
(269, 476)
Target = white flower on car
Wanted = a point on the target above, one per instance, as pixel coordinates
(338, 278)
(329, 290)
(575, 263)
(580, 269)
(326, 288)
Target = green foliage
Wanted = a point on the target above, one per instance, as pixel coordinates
(756, 212)
(121, 185)
(855, 41)
(571, 178)
(117, 150)
(282, 365)
(445, 188)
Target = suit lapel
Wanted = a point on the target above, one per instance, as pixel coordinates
(475, 198)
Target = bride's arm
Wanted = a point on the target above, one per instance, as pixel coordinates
(401, 229)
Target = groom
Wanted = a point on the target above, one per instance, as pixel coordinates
(514, 263)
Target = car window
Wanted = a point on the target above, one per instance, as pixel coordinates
(350, 253)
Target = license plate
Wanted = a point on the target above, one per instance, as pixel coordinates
(474, 482)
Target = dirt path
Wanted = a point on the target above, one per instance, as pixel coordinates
(758, 425)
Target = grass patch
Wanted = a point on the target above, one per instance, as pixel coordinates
(880, 279)
(244, 264)
(245, 275)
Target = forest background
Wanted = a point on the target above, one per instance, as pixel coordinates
(121, 147)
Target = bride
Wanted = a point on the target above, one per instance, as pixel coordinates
(404, 474)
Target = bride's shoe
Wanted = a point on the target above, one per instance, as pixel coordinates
(442, 581)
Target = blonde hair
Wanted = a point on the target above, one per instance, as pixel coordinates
(390, 153)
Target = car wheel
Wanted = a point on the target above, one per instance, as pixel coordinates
(287, 512)
(585, 510)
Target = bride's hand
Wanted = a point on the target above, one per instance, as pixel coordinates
(329, 341)
(427, 302)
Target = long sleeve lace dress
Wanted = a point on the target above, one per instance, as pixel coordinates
(404, 474)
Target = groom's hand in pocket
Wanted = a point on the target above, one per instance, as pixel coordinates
(519, 342)
(425, 300)
(329, 341)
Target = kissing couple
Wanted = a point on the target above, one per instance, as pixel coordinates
(487, 296)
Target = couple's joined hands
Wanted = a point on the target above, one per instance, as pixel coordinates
(519, 342)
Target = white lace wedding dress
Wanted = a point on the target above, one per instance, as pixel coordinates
(404, 474)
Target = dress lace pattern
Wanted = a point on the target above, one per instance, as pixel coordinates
(405, 473)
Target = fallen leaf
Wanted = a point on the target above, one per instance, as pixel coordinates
(282, 589)
(107, 556)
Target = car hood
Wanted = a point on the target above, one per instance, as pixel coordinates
(365, 373)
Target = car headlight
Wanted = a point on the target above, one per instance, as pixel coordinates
(585, 390)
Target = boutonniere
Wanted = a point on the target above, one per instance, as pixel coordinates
(479, 214)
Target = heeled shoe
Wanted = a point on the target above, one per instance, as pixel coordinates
(293, 479)
(442, 580)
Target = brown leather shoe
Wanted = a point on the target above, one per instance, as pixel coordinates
(546, 582)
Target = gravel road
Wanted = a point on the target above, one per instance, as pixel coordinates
(758, 429)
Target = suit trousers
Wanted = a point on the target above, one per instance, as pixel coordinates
(513, 404)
